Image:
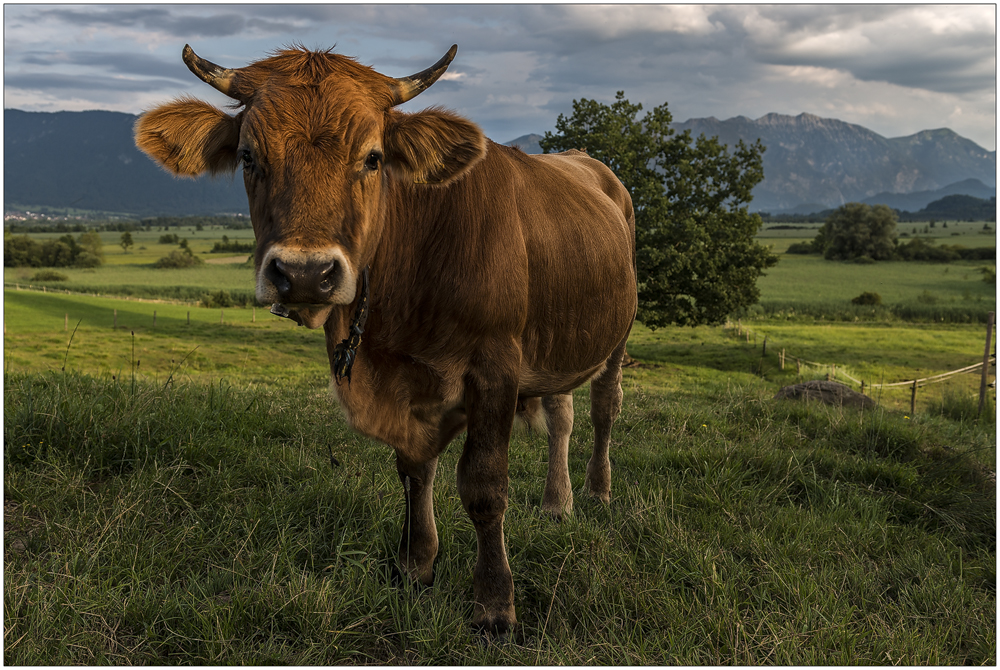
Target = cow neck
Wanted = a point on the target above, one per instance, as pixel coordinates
(344, 353)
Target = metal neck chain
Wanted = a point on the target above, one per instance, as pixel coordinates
(345, 352)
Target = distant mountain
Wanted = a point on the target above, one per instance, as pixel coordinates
(88, 160)
(527, 143)
(913, 202)
(814, 161)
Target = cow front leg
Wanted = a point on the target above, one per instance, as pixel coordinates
(418, 545)
(482, 484)
(557, 499)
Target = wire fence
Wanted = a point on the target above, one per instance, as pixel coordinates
(987, 366)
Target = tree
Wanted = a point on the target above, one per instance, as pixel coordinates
(696, 256)
(856, 230)
(91, 243)
(126, 241)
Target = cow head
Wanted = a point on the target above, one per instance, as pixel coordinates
(319, 142)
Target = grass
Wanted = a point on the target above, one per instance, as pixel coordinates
(170, 497)
(205, 524)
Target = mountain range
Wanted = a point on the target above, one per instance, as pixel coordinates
(812, 163)
(88, 160)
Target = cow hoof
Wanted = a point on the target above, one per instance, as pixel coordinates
(497, 631)
(557, 512)
(602, 496)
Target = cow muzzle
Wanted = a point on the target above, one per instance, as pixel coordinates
(306, 283)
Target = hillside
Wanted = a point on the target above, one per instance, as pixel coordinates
(813, 163)
(87, 160)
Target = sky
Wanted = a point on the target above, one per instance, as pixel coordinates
(895, 69)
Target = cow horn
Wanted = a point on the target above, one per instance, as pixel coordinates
(407, 88)
(219, 78)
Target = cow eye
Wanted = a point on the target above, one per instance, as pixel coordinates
(246, 158)
(373, 160)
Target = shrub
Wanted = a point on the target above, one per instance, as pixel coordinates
(48, 275)
(927, 298)
(217, 299)
(867, 298)
(177, 259)
(801, 248)
(170, 238)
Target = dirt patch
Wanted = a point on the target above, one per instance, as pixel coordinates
(831, 393)
(226, 260)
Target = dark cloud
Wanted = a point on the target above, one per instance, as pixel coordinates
(86, 84)
(122, 62)
(520, 65)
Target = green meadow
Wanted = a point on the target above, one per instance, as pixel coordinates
(185, 492)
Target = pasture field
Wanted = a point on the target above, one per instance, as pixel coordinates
(779, 236)
(188, 493)
(171, 498)
(155, 523)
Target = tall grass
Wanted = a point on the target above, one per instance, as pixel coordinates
(208, 524)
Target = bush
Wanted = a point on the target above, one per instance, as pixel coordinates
(170, 238)
(48, 275)
(867, 298)
(87, 260)
(801, 248)
(217, 299)
(177, 259)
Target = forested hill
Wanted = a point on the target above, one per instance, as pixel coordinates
(88, 160)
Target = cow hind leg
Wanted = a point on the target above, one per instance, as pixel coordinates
(418, 545)
(557, 499)
(605, 405)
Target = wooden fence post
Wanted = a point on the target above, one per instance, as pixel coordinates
(986, 363)
(913, 398)
(798, 367)
(782, 359)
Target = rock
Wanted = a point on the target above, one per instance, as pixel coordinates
(831, 393)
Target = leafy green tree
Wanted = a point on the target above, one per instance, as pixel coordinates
(126, 241)
(856, 230)
(696, 256)
(91, 243)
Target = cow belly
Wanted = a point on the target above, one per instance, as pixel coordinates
(536, 383)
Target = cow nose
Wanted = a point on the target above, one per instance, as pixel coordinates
(311, 282)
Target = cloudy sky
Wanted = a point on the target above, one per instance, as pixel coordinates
(896, 69)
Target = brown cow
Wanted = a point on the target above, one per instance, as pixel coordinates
(481, 278)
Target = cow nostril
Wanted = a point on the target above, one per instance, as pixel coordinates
(275, 273)
(329, 276)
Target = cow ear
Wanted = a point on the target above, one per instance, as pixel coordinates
(433, 146)
(189, 137)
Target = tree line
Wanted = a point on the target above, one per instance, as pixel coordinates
(951, 207)
(131, 225)
(861, 232)
(86, 251)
